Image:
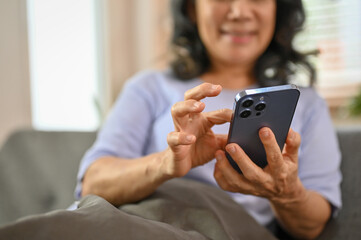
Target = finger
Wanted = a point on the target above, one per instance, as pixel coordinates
(180, 109)
(221, 140)
(221, 181)
(175, 139)
(293, 143)
(219, 116)
(273, 151)
(202, 91)
(222, 173)
(249, 169)
(233, 179)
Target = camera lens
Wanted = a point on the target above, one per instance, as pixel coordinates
(260, 106)
(245, 113)
(247, 103)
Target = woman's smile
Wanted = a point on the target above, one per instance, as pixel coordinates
(235, 32)
(238, 36)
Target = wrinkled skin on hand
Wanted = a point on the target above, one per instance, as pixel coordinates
(278, 181)
(193, 143)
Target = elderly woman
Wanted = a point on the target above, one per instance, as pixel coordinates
(170, 124)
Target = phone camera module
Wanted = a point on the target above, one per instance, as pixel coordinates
(245, 113)
(260, 106)
(247, 103)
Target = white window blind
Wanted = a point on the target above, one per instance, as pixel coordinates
(334, 28)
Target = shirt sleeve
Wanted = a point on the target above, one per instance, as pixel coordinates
(125, 131)
(320, 157)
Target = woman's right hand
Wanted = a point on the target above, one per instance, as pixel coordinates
(193, 142)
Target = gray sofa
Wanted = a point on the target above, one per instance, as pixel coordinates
(38, 171)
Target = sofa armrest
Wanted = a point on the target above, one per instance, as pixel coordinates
(38, 171)
(347, 225)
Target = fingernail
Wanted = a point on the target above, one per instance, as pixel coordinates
(231, 149)
(197, 104)
(218, 156)
(292, 135)
(215, 87)
(189, 138)
(264, 133)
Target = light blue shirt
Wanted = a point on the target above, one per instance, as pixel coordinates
(141, 119)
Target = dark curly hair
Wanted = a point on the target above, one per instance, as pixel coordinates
(191, 58)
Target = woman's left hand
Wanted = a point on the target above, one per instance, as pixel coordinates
(278, 181)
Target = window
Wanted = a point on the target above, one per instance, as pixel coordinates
(334, 28)
(63, 64)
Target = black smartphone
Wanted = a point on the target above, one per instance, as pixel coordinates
(253, 109)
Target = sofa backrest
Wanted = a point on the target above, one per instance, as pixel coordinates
(38, 171)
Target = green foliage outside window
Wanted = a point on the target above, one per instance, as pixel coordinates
(355, 107)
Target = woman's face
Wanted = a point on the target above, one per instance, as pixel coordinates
(235, 31)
